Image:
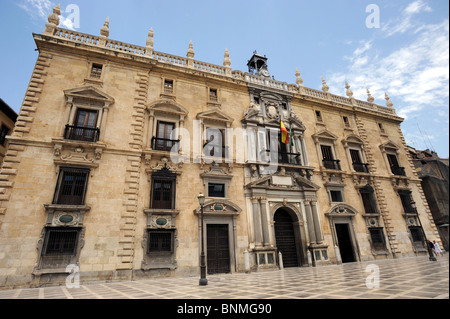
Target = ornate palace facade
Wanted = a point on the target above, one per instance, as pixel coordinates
(114, 142)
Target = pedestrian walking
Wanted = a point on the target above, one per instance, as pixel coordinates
(437, 248)
(431, 247)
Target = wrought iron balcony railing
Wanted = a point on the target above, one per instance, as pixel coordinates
(398, 170)
(361, 167)
(163, 144)
(79, 133)
(332, 164)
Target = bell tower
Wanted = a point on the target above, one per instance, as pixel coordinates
(257, 65)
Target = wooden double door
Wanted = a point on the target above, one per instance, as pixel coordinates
(217, 249)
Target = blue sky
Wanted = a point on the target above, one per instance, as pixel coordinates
(406, 54)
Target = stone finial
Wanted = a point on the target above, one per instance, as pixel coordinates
(370, 98)
(325, 87)
(149, 43)
(226, 59)
(388, 100)
(104, 31)
(298, 80)
(53, 21)
(190, 53)
(349, 92)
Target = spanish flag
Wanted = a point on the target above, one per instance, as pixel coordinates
(284, 134)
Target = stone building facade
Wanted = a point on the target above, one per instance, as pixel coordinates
(114, 142)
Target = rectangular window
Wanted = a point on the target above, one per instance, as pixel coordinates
(160, 240)
(162, 142)
(346, 122)
(377, 236)
(163, 194)
(216, 190)
(367, 199)
(71, 187)
(84, 127)
(326, 152)
(96, 71)
(336, 196)
(416, 234)
(405, 197)
(168, 86)
(213, 95)
(381, 127)
(60, 241)
(215, 143)
(3, 132)
(318, 116)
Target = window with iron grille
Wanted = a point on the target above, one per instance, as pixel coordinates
(377, 236)
(60, 241)
(160, 240)
(71, 187)
(416, 234)
(96, 71)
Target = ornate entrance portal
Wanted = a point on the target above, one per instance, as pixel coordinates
(285, 238)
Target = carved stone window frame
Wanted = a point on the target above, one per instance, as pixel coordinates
(89, 98)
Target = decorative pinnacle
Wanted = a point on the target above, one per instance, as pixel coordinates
(325, 87)
(348, 92)
(226, 59)
(54, 17)
(370, 98)
(388, 100)
(190, 53)
(104, 31)
(299, 80)
(149, 43)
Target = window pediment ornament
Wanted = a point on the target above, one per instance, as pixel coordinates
(342, 210)
(215, 116)
(167, 106)
(219, 207)
(89, 95)
(352, 139)
(324, 135)
(389, 145)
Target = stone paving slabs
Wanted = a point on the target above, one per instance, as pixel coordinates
(406, 278)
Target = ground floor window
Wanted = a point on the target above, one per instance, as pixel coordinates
(160, 240)
(60, 241)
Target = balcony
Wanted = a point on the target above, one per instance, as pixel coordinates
(332, 164)
(79, 133)
(361, 167)
(164, 144)
(281, 157)
(398, 170)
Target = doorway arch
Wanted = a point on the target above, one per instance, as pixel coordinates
(287, 237)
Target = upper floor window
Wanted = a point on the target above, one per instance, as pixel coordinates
(396, 169)
(213, 97)
(168, 86)
(71, 186)
(319, 116)
(215, 143)
(84, 127)
(368, 199)
(346, 121)
(96, 70)
(328, 158)
(162, 141)
(216, 190)
(407, 202)
(163, 189)
(4, 130)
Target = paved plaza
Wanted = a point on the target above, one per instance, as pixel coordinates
(406, 278)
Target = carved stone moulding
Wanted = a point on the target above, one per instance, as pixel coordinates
(65, 215)
(77, 153)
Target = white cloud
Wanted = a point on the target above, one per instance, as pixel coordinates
(37, 8)
(405, 21)
(415, 76)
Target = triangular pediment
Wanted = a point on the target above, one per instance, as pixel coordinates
(353, 139)
(167, 106)
(215, 116)
(389, 145)
(89, 92)
(325, 134)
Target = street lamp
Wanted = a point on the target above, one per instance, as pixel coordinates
(430, 251)
(203, 281)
